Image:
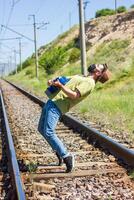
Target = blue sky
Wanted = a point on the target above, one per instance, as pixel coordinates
(56, 12)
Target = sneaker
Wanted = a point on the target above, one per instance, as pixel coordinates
(69, 161)
(59, 159)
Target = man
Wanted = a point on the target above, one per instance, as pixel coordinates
(75, 90)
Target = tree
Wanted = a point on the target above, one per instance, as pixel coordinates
(104, 12)
(121, 9)
(132, 6)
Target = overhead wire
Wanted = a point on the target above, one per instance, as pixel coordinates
(3, 15)
(40, 7)
(67, 19)
(8, 19)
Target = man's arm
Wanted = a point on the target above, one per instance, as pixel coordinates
(71, 94)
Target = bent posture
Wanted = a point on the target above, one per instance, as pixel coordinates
(68, 95)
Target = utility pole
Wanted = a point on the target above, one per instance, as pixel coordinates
(85, 5)
(10, 66)
(20, 53)
(70, 17)
(115, 6)
(61, 29)
(35, 45)
(15, 61)
(82, 39)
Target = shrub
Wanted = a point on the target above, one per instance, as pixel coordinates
(28, 72)
(26, 63)
(121, 9)
(53, 59)
(132, 6)
(74, 56)
(104, 12)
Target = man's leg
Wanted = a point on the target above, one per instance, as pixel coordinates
(41, 128)
(50, 120)
(42, 119)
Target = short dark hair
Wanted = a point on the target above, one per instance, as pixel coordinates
(92, 67)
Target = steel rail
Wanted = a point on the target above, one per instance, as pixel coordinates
(13, 168)
(118, 150)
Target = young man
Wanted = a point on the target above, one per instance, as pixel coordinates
(75, 90)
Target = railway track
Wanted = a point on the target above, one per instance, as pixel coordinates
(97, 174)
(10, 180)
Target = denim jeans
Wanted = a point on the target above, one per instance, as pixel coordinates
(48, 120)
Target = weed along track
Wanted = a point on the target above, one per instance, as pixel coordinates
(97, 173)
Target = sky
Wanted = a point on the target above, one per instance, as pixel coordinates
(59, 15)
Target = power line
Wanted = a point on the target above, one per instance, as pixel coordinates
(9, 39)
(3, 14)
(20, 25)
(15, 2)
(9, 17)
(17, 33)
(40, 7)
(7, 46)
(20, 48)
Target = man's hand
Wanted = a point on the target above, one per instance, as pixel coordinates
(71, 94)
(57, 83)
(49, 82)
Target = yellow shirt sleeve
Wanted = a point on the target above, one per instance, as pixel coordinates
(84, 88)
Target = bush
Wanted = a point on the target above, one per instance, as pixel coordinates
(26, 63)
(104, 12)
(74, 56)
(121, 9)
(28, 72)
(53, 59)
(132, 6)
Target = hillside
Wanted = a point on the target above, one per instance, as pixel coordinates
(109, 40)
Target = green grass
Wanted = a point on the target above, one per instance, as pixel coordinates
(114, 53)
(110, 106)
(111, 103)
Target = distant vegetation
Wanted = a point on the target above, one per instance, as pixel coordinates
(104, 12)
(53, 59)
(121, 9)
(132, 6)
(107, 11)
(74, 55)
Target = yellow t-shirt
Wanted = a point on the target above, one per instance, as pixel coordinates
(84, 85)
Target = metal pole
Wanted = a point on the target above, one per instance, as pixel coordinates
(82, 39)
(10, 66)
(35, 46)
(4, 68)
(70, 17)
(61, 29)
(7, 67)
(85, 6)
(115, 6)
(15, 60)
(20, 53)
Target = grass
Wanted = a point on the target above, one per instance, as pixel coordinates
(110, 106)
(111, 103)
(131, 174)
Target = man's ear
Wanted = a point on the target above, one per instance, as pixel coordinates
(98, 73)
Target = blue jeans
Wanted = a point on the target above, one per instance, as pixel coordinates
(48, 120)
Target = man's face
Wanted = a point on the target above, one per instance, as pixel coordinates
(101, 73)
